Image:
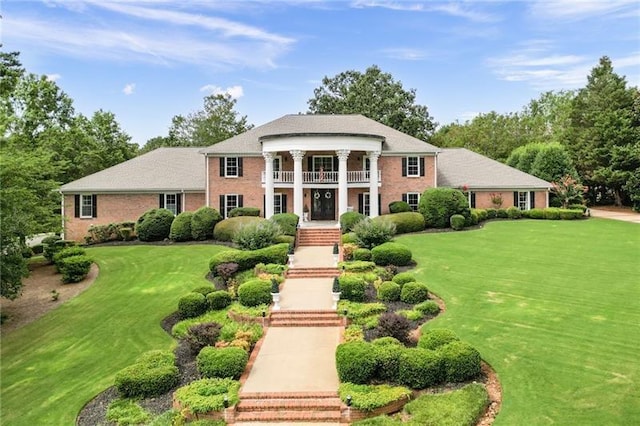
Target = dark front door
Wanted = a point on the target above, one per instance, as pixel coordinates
(324, 204)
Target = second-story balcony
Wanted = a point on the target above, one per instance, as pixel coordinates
(353, 177)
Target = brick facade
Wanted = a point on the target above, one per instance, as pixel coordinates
(483, 199)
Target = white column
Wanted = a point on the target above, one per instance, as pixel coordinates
(297, 181)
(268, 184)
(343, 192)
(373, 183)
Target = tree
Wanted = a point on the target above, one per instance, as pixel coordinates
(552, 163)
(568, 191)
(375, 95)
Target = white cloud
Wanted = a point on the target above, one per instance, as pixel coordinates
(405, 53)
(573, 10)
(53, 77)
(448, 8)
(234, 91)
(129, 89)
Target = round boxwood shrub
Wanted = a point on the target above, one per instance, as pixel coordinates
(353, 287)
(225, 230)
(349, 238)
(461, 361)
(428, 307)
(414, 292)
(361, 254)
(181, 227)
(536, 214)
(68, 252)
(203, 221)
(222, 363)
(514, 213)
(391, 254)
(388, 357)
(389, 291)
(399, 207)
(420, 368)
(404, 222)
(437, 205)
(349, 219)
(551, 213)
(192, 305)
(457, 222)
(153, 373)
(436, 337)
(154, 225)
(502, 214)
(74, 268)
(403, 277)
(204, 290)
(255, 292)
(244, 211)
(492, 213)
(218, 299)
(288, 222)
(386, 340)
(567, 214)
(356, 362)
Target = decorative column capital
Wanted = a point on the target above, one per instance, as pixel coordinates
(373, 155)
(297, 154)
(268, 156)
(343, 154)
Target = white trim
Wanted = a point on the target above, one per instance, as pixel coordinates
(313, 162)
(324, 143)
(414, 193)
(207, 192)
(366, 196)
(82, 205)
(435, 170)
(226, 204)
(226, 167)
(165, 203)
(417, 157)
(277, 195)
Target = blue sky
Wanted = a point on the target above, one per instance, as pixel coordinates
(148, 60)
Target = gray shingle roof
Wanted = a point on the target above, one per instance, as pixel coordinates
(459, 166)
(163, 169)
(319, 124)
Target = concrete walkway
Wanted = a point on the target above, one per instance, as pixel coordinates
(624, 215)
(308, 294)
(313, 257)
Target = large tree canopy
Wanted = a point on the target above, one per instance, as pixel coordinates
(374, 94)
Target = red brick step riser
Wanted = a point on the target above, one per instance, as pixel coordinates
(290, 416)
(292, 404)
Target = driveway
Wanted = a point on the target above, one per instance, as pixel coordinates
(616, 214)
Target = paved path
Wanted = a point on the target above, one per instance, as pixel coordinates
(624, 215)
(307, 294)
(313, 257)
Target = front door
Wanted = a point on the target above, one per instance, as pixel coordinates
(324, 204)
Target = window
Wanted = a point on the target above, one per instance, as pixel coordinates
(229, 202)
(279, 201)
(171, 202)
(413, 199)
(523, 200)
(366, 204)
(277, 168)
(231, 167)
(323, 163)
(413, 166)
(86, 206)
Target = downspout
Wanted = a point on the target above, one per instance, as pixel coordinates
(206, 180)
(184, 200)
(435, 171)
(62, 212)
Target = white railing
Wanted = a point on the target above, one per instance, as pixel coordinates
(353, 176)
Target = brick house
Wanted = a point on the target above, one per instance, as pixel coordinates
(317, 166)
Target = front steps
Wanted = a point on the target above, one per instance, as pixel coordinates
(318, 236)
(317, 318)
(311, 272)
(289, 407)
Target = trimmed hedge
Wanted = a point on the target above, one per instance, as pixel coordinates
(203, 221)
(389, 291)
(436, 337)
(461, 361)
(391, 254)
(457, 222)
(222, 363)
(399, 207)
(535, 214)
(181, 227)
(244, 211)
(428, 307)
(206, 395)
(110, 232)
(370, 397)
(388, 354)
(153, 373)
(405, 222)
(414, 292)
(255, 292)
(248, 259)
(514, 213)
(420, 368)
(349, 238)
(218, 299)
(226, 229)
(355, 362)
(353, 287)
(192, 305)
(154, 225)
(68, 252)
(349, 219)
(288, 222)
(437, 205)
(361, 254)
(403, 277)
(74, 268)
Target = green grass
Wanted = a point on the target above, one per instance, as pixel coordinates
(53, 366)
(553, 306)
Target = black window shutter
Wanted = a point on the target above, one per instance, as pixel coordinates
(361, 203)
(405, 197)
(473, 200)
(240, 201)
(379, 204)
(264, 204)
(404, 166)
(336, 164)
(76, 207)
(161, 201)
(222, 164)
(309, 164)
(178, 203)
(284, 203)
(532, 199)
(223, 211)
(421, 166)
(239, 166)
(94, 205)
(515, 198)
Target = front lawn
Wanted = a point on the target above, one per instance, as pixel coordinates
(53, 366)
(553, 306)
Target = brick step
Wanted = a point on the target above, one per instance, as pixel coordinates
(306, 319)
(318, 242)
(312, 272)
(306, 323)
(287, 416)
(289, 404)
(289, 395)
(300, 317)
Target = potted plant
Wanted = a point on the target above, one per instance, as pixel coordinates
(305, 213)
(290, 255)
(275, 294)
(336, 254)
(335, 292)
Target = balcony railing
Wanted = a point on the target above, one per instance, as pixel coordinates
(353, 176)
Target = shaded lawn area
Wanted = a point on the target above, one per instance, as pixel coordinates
(553, 306)
(52, 367)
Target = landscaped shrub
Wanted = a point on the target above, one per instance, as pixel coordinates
(473, 219)
(349, 219)
(482, 214)
(428, 307)
(420, 368)
(492, 213)
(355, 362)
(218, 300)
(461, 361)
(580, 207)
(110, 232)
(566, 214)
(457, 222)
(353, 287)
(437, 205)
(126, 234)
(436, 337)
(404, 277)
(391, 254)
(389, 291)
(514, 212)
(349, 238)
(68, 252)
(353, 333)
(203, 221)
(192, 305)
(153, 373)
(370, 397)
(247, 259)
(464, 406)
(357, 266)
(74, 268)
(357, 311)
(388, 357)
(181, 227)
(551, 213)
(201, 335)
(226, 229)
(50, 247)
(502, 214)
(288, 222)
(361, 254)
(223, 363)
(127, 412)
(536, 214)
(289, 239)
(393, 325)
(254, 236)
(205, 395)
(414, 292)
(154, 225)
(244, 211)
(405, 222)
(399, 207)
(370, 233)
(387, 340)
(255, 292)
